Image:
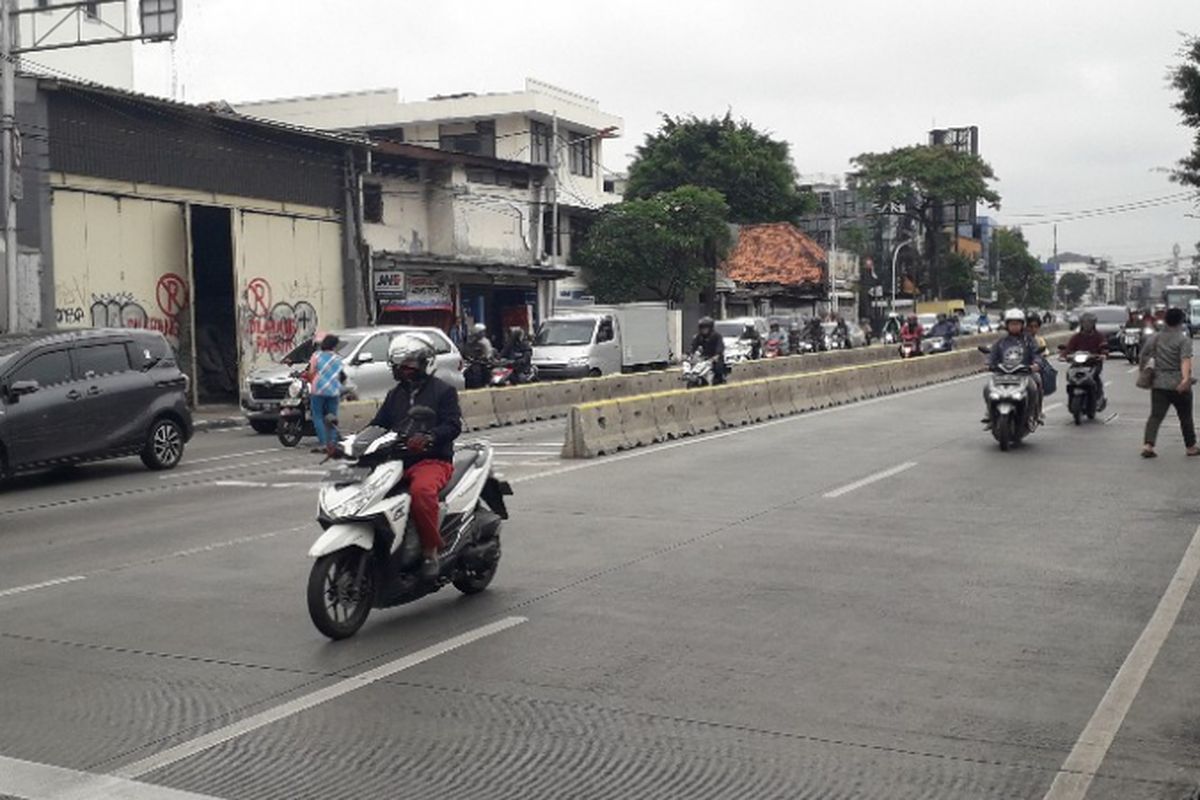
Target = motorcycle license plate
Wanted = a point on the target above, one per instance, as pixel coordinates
(1007, 380)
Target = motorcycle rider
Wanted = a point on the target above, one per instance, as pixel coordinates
(944, 327)
(478, 347)
(814, 334)
(518, 350)
(1089, 340)
(750, 334)
(1015, 337)
(429, 454)
(779, 337)
(841, 330)
(911, 331)
(711, 345)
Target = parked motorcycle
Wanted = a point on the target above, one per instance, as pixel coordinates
(698, 371)
(1010, 397)
(506, 373)
(1084, 395)
(369, 554)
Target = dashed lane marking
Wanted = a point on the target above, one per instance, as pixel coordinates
(35, 781)
(867, 481)
(43, 585)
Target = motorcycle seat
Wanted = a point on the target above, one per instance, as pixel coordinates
(463, 461)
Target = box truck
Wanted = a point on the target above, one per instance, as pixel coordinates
(589, 341)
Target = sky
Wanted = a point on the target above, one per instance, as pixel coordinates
(1071, 97)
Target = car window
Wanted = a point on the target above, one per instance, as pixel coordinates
(101, 359)
(377, 346)
(47, 369)
(441, 345)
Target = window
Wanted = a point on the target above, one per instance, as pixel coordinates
(474, 138)
(101, 359)
(91, 10)
(605, 332)
(377, 346)
(373, 202)
(540, 142)
(441, 345)
(47, 369)
(580, 158)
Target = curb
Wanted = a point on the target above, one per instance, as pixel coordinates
(217, 423)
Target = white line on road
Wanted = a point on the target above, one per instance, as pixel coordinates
(867, 481)
(1115, 416)
(190, 472)
(293, 707)
(44, 584)
(1077, 772)
(46, 782)
(267, 484)
(1107, 384)
(524, 444)
(1131, 370)
(228, 456)
(1051, 407)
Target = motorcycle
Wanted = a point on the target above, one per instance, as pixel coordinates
(505, 373)
(369, 553)
(773, 348)
(1010, 397)
(698, 371)
(1083, 385)
(910, 348)
(938, 344)
(295, 412)
(1131, 342)
(477, 374)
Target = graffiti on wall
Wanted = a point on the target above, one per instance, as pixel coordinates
(274, 329)
(123, 310)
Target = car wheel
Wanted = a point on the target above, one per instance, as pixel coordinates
(263, 425)
(164, 445)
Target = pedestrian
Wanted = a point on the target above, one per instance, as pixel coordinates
(325, 389)
(1171, 381)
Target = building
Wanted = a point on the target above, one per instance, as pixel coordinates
(1101, 284)
(773, 268)
(235, 238)
(541, 125)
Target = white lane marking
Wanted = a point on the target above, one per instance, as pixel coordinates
(708, 437)
(267, 484)
(34, 781)
(44, 584)
(1131, 370)
(228, 456)
(223, 467)
(867, 481)
(1077, 772)
(545, 462)
(1107, 384)
(1051, 407)
(305, 702)
(542, 453)
(524, 444)
(1115, 416)
(320, 472)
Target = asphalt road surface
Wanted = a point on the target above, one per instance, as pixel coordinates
(871, 602)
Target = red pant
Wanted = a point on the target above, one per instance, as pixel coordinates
(425, 480)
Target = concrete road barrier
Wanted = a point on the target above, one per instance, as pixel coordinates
(673, 413)
(354, 416)
(511, 403)
(638, 426)
(478, 409)
(731, 405)
(593, 429)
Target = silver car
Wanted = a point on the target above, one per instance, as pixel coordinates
(364, 351)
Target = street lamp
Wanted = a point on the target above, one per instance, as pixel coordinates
(895, 258)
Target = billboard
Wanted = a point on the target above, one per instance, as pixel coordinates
(963, 140)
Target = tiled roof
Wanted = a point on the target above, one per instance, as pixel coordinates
(777, 253)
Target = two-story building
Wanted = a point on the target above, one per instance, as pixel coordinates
(553, 136)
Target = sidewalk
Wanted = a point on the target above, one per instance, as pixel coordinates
(213, 417)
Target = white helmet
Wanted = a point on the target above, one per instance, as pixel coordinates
(479, 328)
(1014, 315)
(412, 348)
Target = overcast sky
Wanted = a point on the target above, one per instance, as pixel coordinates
(1070, 97)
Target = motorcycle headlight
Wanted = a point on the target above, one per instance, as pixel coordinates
(994, 395)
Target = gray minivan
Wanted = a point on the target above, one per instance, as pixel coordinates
(91, 395)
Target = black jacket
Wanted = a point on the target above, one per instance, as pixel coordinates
(711, 346)
(435, 394)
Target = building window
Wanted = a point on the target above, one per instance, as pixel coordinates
(474, 138)
(373, 202)
(540, 142)
(91, 10)
(580, 149)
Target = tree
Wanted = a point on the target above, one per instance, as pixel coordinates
(663, 246)
(919, 179)
(957, 277)
(1185, 78)
(753, 171)
(1072, 287)
(1023, 281)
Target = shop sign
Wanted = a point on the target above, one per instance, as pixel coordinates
(389, 283)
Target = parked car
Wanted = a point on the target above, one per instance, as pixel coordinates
(365, 353)
(91, 395)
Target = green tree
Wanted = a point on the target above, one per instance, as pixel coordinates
(1072, 287)
(660, 246)
(1185, 78)
(957, 277)
(919, 179)
(1023, 281)
(753, 171)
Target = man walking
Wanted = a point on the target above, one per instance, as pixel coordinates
(1171, 351)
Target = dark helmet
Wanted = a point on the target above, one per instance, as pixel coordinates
(706, 323)
(1087, 321)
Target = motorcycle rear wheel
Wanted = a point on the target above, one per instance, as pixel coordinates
(290, 432)
(474, 581)
(337, 604)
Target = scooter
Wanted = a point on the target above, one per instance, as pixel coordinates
(938, 344)
(505, 373)
(1084, 391)
(369, 554)
(910, 348)
(477, 374)
(698, 371)
(295, 412)
(1010, 397)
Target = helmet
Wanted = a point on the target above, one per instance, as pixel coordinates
(705, 322)
(411, 352)
(479, 329)
(1014, 315)
(1087, 321)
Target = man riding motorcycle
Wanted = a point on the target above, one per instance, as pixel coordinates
(1089, 340)
(519, 352)
(429, 453)
(1014, 324)
(478, 346)
(711, 345)
(778, 338)
(750, 334)
(911, 331)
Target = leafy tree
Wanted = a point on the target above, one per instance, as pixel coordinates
(660, 246)
(753, 171)
(1023, 281)
(920, 178)
(957, 278)
(1185, 78)
(1072, 287)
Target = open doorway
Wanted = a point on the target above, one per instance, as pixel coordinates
(214, 305)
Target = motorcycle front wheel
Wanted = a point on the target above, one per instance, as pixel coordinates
(339, 600)
(290, 432)
(1003, 429)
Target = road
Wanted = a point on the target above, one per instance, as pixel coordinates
(870, 601)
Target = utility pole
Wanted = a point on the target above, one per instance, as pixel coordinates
(554, 190)
(8, 131)
(833, 302)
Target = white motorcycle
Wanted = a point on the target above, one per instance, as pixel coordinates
(369, 554)
(697, 371)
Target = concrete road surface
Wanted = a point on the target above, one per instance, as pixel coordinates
(868, 602)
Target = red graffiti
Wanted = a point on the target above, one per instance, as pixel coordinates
(171, 294)
(167, 326)
(258, 296)
(272, 336)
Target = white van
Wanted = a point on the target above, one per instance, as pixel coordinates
(1193, 320)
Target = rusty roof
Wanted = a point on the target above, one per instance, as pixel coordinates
(776, 253)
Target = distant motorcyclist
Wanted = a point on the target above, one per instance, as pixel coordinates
(710, 345)
(751, 336)
(518, 351)
(478, 347)
(911, 331)
(814, 334)
(429, 450)
(944, 327)
(841, 330)
(778, 337)
(1089, 340)
(1016, 339)
(794, 335)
